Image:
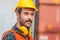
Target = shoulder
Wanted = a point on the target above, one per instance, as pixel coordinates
(8, 36)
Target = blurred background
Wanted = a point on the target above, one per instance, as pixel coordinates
(7, 15)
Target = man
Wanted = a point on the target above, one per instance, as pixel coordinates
(25, 14)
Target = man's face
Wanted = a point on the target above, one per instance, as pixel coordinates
(26, 17)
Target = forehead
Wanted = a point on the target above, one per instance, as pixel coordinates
(27, 9)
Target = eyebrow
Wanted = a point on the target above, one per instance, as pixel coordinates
(28, 12)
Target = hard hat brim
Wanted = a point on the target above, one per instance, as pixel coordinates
(25, 7)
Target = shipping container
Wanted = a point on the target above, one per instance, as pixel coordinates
(49, 20)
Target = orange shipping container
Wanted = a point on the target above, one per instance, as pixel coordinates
(49, 20)
(50, 1)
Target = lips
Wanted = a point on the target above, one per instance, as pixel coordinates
(28, 22)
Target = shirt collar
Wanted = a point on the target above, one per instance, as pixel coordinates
(16, 29)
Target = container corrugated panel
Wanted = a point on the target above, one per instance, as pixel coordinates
(50, 1)
(49, 18)
(49, 22)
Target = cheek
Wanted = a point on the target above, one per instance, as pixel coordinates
(32, 17)
(23, 18)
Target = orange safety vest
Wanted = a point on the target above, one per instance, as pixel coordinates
(18, 36)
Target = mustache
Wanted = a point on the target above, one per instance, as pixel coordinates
(28, 21)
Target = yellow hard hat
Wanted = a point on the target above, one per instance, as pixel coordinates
(25, 4)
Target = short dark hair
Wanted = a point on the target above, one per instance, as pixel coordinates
(19, 10)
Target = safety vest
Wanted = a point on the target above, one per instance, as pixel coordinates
(18, 36)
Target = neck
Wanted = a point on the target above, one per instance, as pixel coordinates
(18, 25)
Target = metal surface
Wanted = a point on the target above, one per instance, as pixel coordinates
(49, 20)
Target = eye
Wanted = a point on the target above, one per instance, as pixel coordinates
(26, 13)
(32, 14)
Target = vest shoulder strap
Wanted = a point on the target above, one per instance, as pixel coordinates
(17, 36)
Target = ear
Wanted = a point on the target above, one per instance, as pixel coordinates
(17, 14)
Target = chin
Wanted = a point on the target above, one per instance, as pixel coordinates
(28, 25)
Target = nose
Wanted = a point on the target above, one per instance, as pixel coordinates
(30, 17)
